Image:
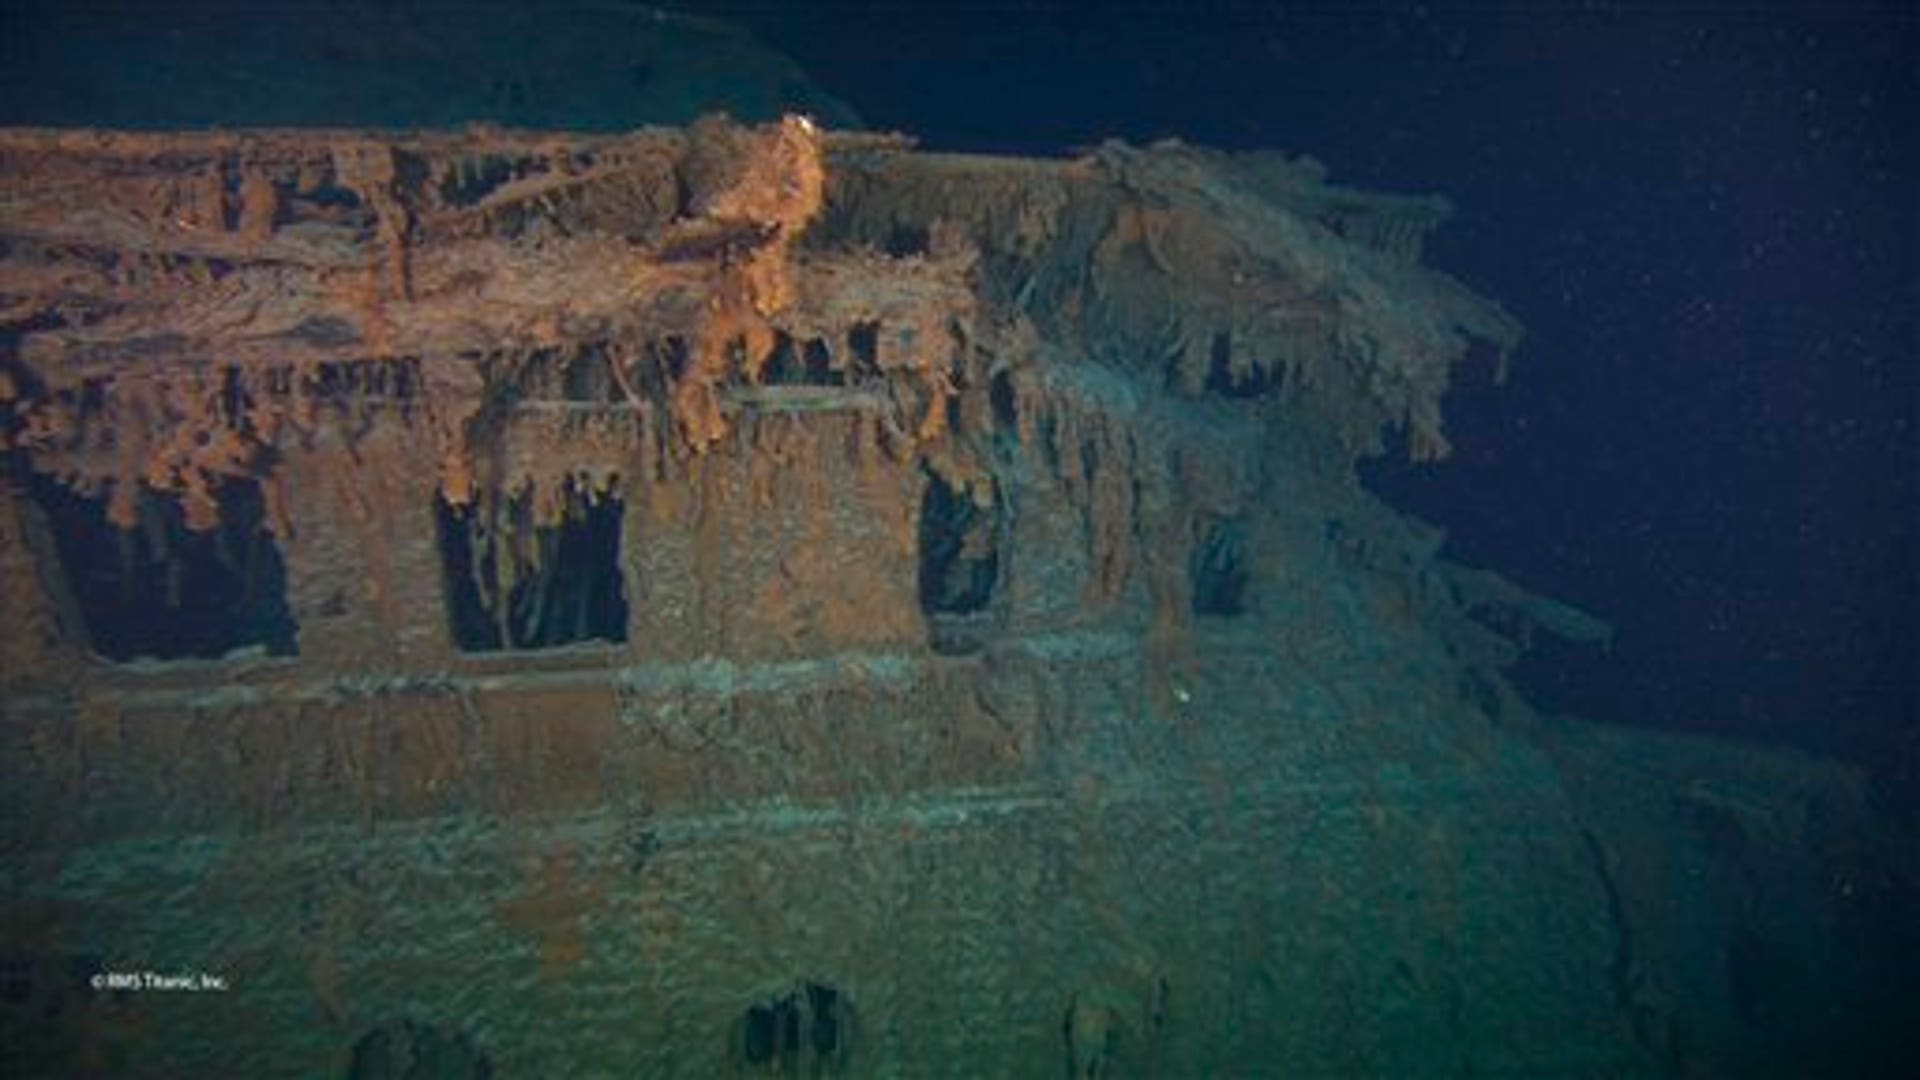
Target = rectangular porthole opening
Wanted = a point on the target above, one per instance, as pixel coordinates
(802, 1030)
(163, 591)
(526, 573)
(959, 549)
(800, 363)
(1217, 568)
(960, 536)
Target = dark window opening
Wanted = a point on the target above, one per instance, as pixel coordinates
(470, 180)
(1005, 403)
(782, 363)
(411, 171)
(959, 550)
(334, 196)
(617, 372)
(587, 376)
(772, 1030)
(782, 1031)
(823, 1003)
(672, 356)
(326, 201)
(820, 363)
(165, 591)
(904, 240)
(864, 341)
(515, 584)
(230, 194)
(801, 365)
(583, 375)
(1217, 569)
(1221, 378)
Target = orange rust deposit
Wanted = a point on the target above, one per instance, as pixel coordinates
(554, 321)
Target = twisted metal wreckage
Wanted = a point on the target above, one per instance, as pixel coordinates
(703, 601)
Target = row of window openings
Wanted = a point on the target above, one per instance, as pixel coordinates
(593, 374)
(163, 591)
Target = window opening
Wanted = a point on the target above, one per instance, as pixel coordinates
(164, 591)
(517, 579)
(959, 549)
(1218, 569)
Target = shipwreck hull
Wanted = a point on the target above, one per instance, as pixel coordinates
(752, 599)
(606, 877)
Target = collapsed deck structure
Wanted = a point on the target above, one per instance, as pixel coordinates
(725, 600)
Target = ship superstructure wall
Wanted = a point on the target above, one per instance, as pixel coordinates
(1007, 676)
